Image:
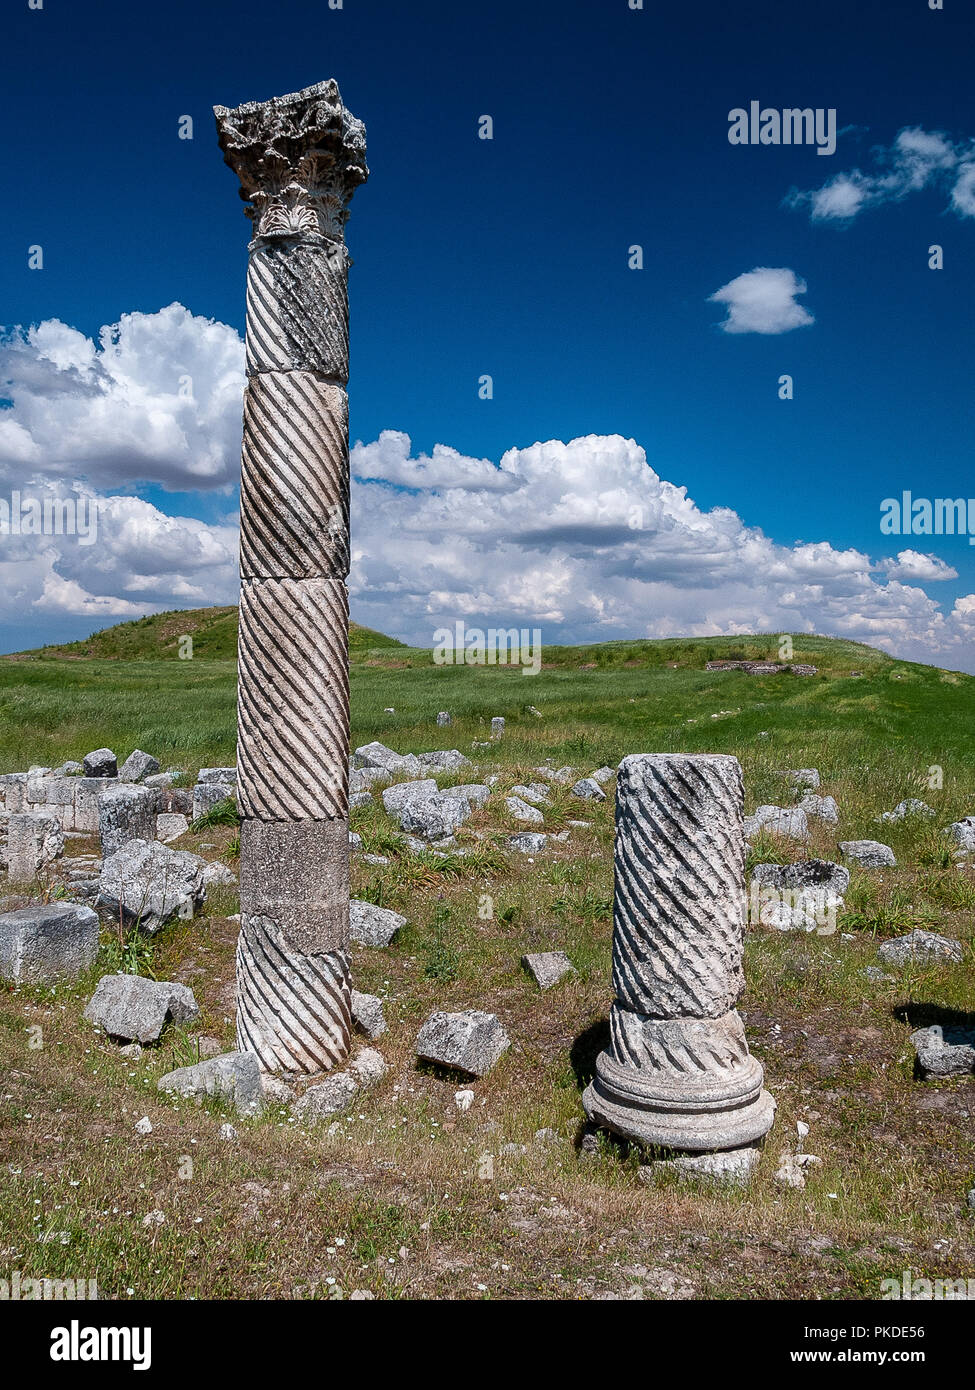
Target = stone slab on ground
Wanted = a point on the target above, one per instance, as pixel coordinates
(470, 1041)
(434, 817)
(588, 789)
(395, 798)
(136, 1009)
(151, 884)
(547, 967)
(367, 1014)
(869, 854)
(945, 1051)
(920, 946)
(805, 873)
(789, 822)
(370, 925)
(445, 760)
(527, 842)
(727, 1168)
(475, 793)
(235, 1075)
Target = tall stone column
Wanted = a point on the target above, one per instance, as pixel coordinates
(299, 159)
(677, 1072)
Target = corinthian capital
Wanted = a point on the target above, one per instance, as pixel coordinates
(299, 159)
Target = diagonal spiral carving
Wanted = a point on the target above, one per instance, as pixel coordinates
(678, 1046)
(294, 485)
(293, 699)
(294, 1011)
(679, 905)
(298, 309)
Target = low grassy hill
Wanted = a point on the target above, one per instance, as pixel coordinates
(159, 637)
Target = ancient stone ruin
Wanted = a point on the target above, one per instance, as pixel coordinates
(299, 159)
(677, 1072)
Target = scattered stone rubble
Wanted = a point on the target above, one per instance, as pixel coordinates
(762, 668)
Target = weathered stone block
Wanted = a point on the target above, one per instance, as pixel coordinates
(547, 967)
(807, 873)
(206, 795)
(34, 840)
(948, 1051)
(789, 822)
(520, 810)
(88, 791)
(50, 941)
(868, 853)
(170, 826)
(101, 763)
(150, 884)
(588, 789)
(528, 842)
(137, 766)
(297, 873)
(920, 946)
(434, 817)
(367, 1014)
(126, 813)
(475, 793)
(400, 795)
(443, 760)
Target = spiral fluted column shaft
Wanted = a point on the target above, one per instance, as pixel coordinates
(677, 1072)
(299, 158)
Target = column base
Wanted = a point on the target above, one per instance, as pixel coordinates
(294, 1010)
(686, 1084)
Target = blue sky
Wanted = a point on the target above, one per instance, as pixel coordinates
(509, 256)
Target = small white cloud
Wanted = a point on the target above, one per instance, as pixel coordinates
(763, 300)
(841, 198)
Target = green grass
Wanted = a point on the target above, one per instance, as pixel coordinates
(597, 703)
(394, 1197)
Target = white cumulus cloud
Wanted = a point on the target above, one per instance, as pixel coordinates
(911, 564)
(157, 399)
(589, 543)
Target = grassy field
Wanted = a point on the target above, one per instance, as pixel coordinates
(407, 1197)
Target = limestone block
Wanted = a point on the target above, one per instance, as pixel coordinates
(48, 941)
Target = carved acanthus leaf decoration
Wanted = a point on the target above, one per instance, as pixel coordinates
(299, 159)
